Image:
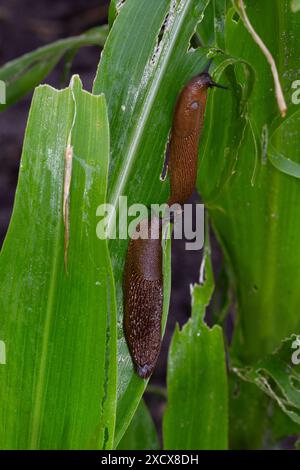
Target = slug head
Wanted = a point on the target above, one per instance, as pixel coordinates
(191, 104)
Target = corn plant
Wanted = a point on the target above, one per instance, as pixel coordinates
(67, 380)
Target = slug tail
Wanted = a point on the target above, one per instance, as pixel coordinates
(145, 371)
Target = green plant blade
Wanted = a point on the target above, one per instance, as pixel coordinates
(255, 213)
(141, 90)
(220, 7)
(196, 417)
(141, 433)
(281, 425)
(58, 386)
(205, 29)
(114, 8)
(247, 415)
(284, 142)
(247, 178)
(26, 72)
(278, 375)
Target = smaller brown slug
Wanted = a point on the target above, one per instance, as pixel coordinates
(143, 296)
(185, 135)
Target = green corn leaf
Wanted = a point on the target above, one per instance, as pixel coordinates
(26, 72)
(249, 159)
(248, 419)
(220, 7)
(197, 412)
(205, 29)
(278, 376)
(253, 206)
(284, 142)
(114, 8)
(58, 323)
(141, 74)
(141, 433)
(281, 425)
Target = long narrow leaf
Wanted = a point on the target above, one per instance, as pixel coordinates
(141, 74)
(141, 433)
(255, 207)
(197, 412)
(58, 385)
(26, 72)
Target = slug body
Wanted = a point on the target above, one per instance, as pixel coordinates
(185, 135)
(143, 295)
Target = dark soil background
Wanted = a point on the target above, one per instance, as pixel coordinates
(24, 26)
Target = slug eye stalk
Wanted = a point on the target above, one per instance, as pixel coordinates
(217, 85)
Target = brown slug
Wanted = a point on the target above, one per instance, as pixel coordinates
(143, 296)
(185, 134)
(143, 278)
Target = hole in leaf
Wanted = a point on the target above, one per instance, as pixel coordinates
(119, 5)
(164, 171)
(236, 17)
(195, 42)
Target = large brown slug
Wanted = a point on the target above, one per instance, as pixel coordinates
(185, 135)
(143, 279)
(143, 295)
